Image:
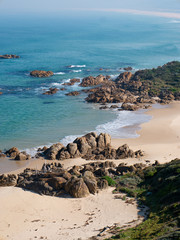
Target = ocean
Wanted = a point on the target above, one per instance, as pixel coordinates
(74, 45)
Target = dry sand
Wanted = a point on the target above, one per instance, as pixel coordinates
(26, 215)
(160, 137)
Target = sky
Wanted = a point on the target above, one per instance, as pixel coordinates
(54, 6)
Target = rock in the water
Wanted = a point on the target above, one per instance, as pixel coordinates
(77, 188)
(9, 56)
(75, 93)
(40, 73)
(51, 91)
(129, 107)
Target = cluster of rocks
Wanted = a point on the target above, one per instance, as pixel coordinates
(93, 81)
(72, 82)
(15, 154)
(90, 147)
(79, 181)
(40, 73)
(8, 56)
(74, 93)
(8, 180)
(51, 91)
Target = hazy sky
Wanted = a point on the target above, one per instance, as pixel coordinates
(34, 6)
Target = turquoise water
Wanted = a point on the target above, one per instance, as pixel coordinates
(88, 42)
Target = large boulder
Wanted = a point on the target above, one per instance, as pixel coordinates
(63, 154)
(22, 156)
(91, 139)
(72, 148)
(40, 73)
(129, 107)
(103, 140)
(82, 144)
(51, 153)
(12, 152)
(90, 181)
(77, 188)
(124, 152)
(92, 81)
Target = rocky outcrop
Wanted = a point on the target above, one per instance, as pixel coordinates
(8, 56)
(40, 73)
(8, 180)
(51, 153)
(22, 156)
(93, 81)
(15, 154)
(91, 147)
(75, 93)
(77, 188)
(12, 152)
(90, 181)
(51, 91)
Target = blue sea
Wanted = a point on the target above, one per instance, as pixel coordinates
(86, 42)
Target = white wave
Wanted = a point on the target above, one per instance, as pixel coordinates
(59, 73)
(113, 77)
(69, 139)
(33, 151)
(124, 119)
(76, 71)
(77, 66)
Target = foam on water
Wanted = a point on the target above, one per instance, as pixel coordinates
(77, 66)
(76, 71)
(124, 119)
(59, 73)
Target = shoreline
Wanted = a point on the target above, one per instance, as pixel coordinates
(157, 138)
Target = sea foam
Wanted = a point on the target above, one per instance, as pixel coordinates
(77, 66)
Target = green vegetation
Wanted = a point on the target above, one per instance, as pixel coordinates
(110, 181)
(161, 79)
(157, 187)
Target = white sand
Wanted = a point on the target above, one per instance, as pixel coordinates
(26, 215)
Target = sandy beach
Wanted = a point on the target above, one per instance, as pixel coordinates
(164, 14)
(45, 217)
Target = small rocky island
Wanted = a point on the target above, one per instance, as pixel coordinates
(41, 73)
(8, 56)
